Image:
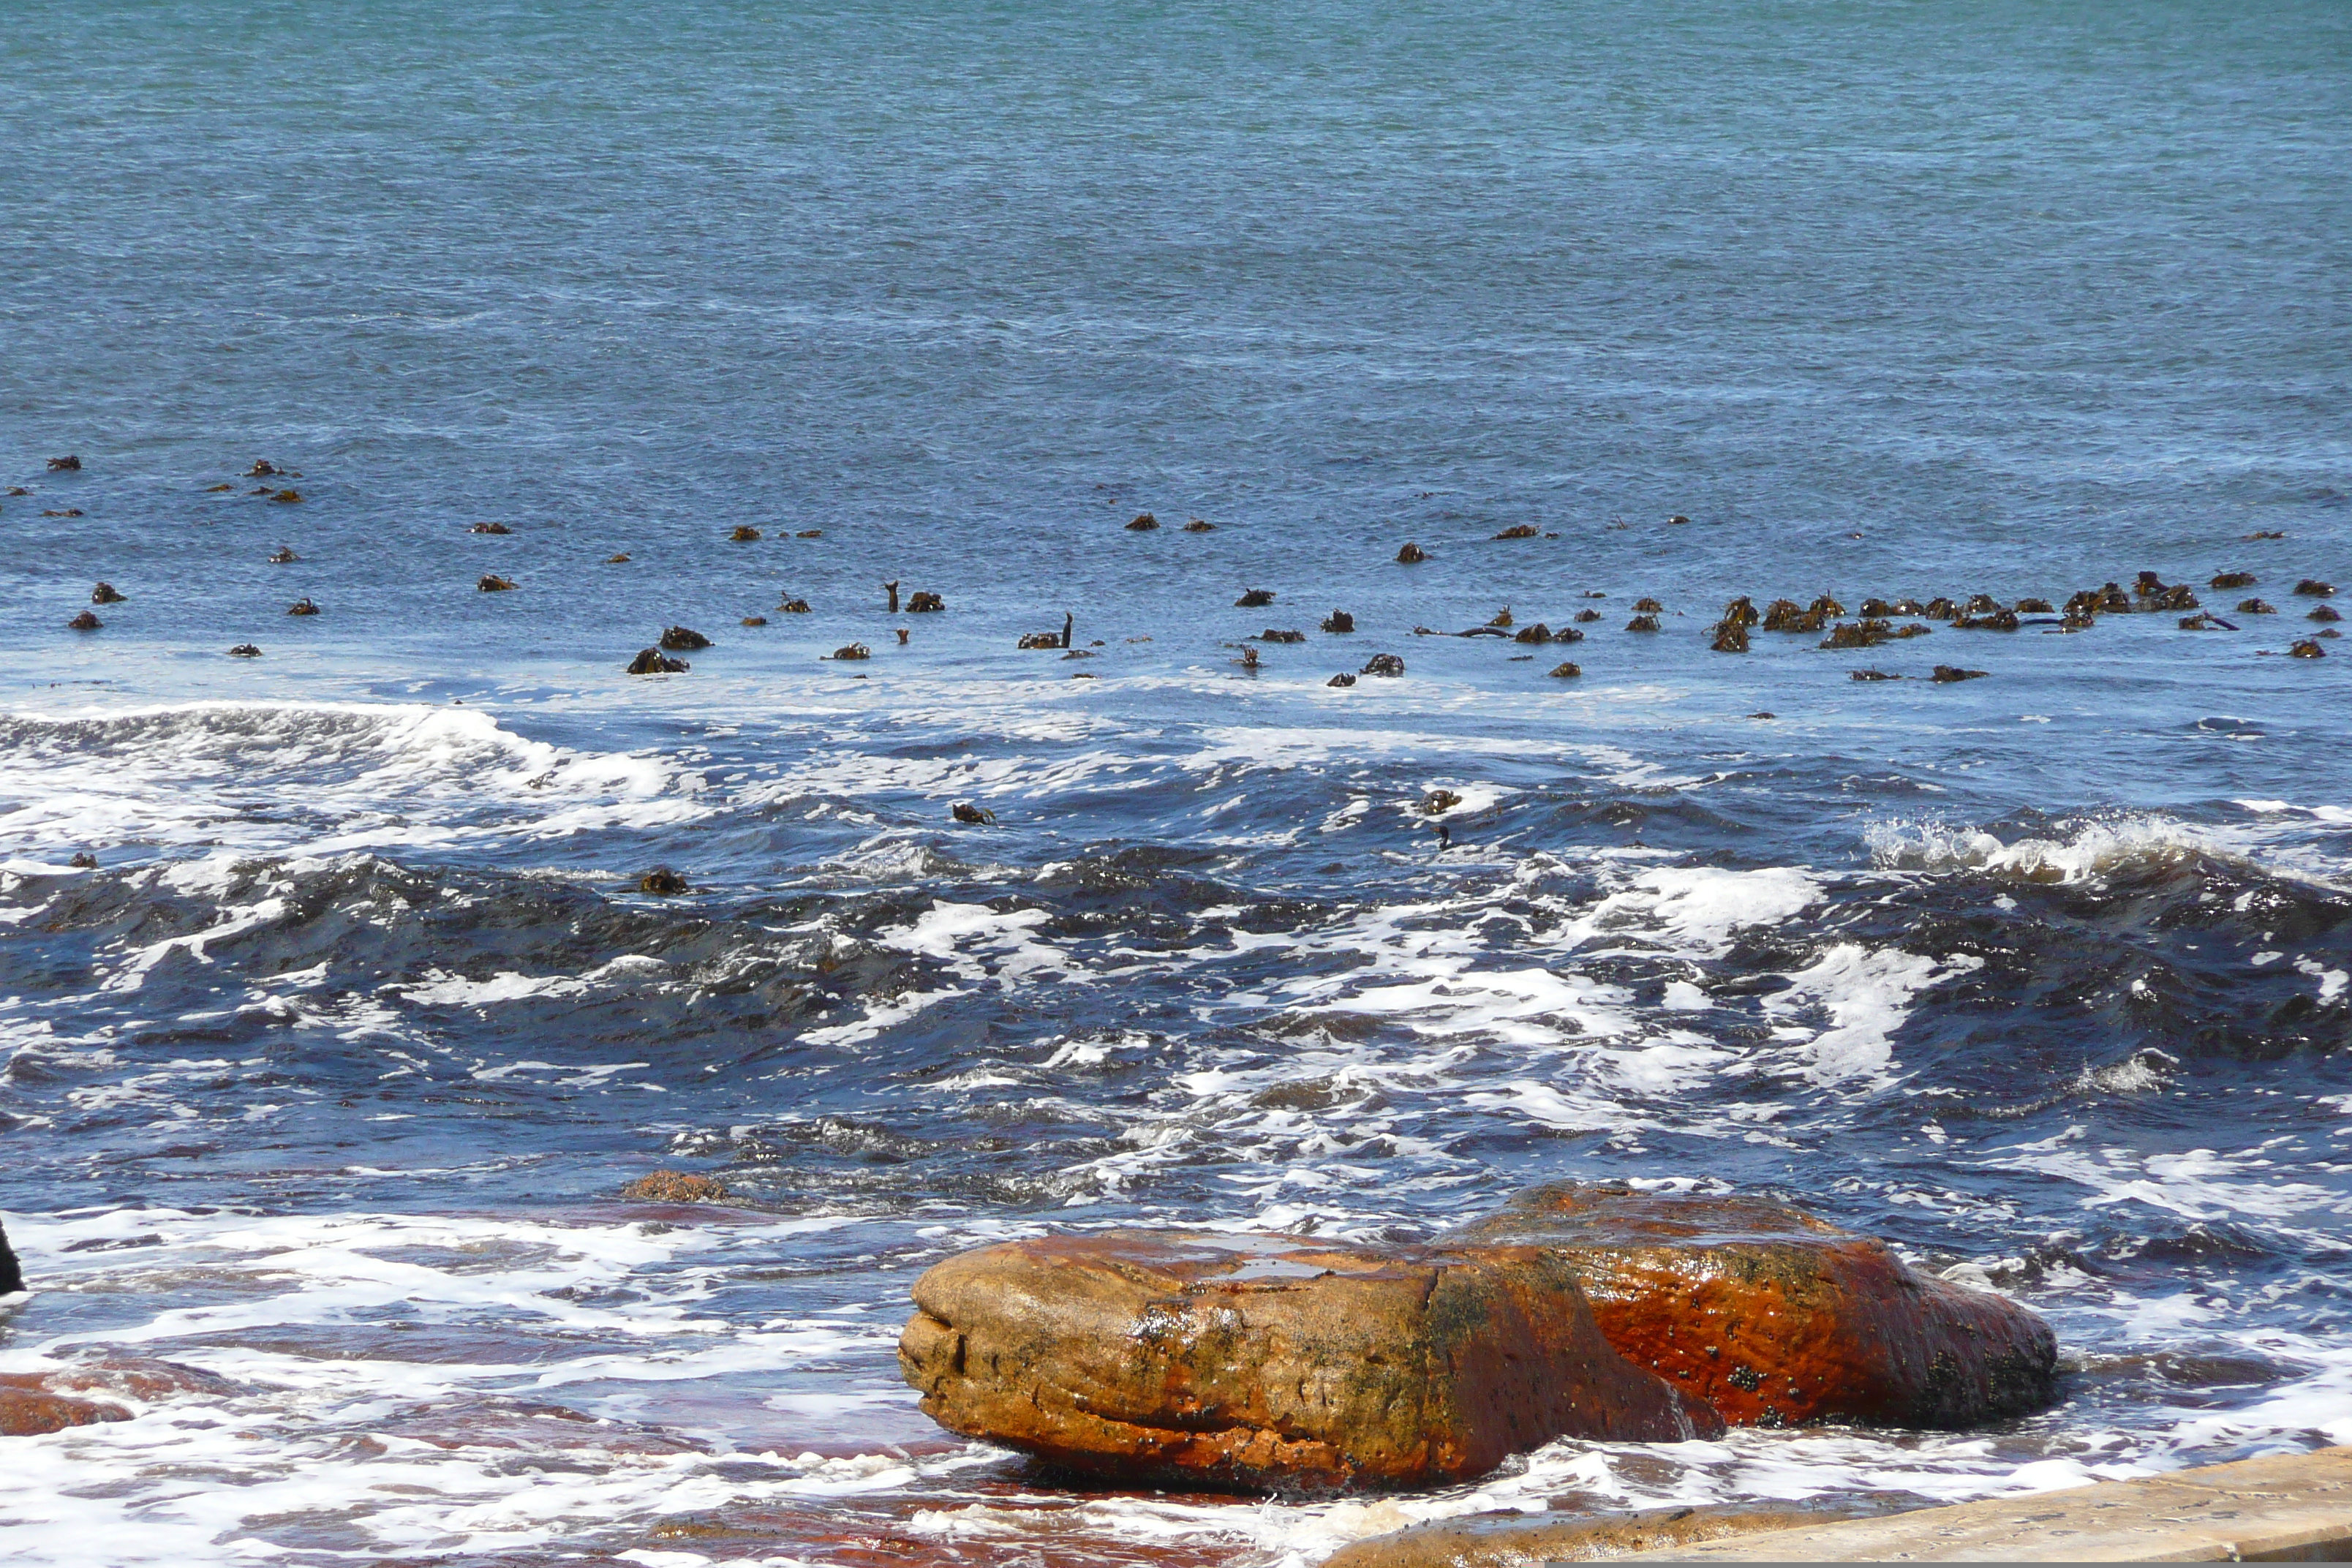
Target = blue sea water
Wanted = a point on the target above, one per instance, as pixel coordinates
(326, 1078)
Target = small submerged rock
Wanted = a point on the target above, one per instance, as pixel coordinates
(2256, 607)
(683, 640)
(495, 584)
(245, 650)
(67, 465)
(1273, 633)
(283, 556)
(1384, 664)
(1519, 531)
(762, 620)
(1642, 624)
(85, 622)
(794, 607)
(1342, 678)
(1946, 673)
(1871, 675)
(2324, 612)
(1411, 554)
(926, 603)
(620, 560)
(973, 816)
(2306, 648)
(2312, 587)
(105, 594)
(662, 882)
(744, 534)
(1200, 525)
(1566, 671)
(1255, 599)
(2231, 580)
(1438, 802)
(489, 528)
(852, 652)
(675, 1187)
(1338, 623)
(1143, 522)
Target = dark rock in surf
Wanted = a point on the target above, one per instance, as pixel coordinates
(810, 533)
(105, 594)
(1519, 531)
(683, 640)
(2312, 587)
(1537, 633)
(620, 560)
(1568, 671)
(489, 528)
(1338, 623)
(2231, 580)
(850, 653)
(1730, 637)
(1648, 607)
(1438, 802)
(11, 1273)
(1384, 664)
(653, 661)
(1411, 554)
(2324, 612)
(1050, 639)
(262, 468)
(1144, 522)
(302, 607)
(283, 556)
(744, 534)
(493, 584)
(85, 622)
(891, 588)
(2256, 607)
(973, 816)
(1871, 675)
(2306, 648)
(926, 603)
(794, 607)
(1946, 673)
(1200, 525)
(1642, 624)
(245, 650)
(1588, 616)
(662, 882)
(1273, 635)
(2035, 607)
(1255, 599)
(1776, 1318)
(68, 465)
(1342, 678)
(1741, 612)
(762, 620)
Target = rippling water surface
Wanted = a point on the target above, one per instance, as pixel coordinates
(325, 1079)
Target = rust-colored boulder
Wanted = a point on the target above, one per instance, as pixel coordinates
(1275, 1362)
(1776, 1318)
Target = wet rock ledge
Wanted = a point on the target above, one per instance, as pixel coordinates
(1590, 1311)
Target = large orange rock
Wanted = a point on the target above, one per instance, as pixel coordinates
(1776, 1318)
(1274, 1361)
(29, 1412)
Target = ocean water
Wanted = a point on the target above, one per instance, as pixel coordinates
(325, 1079)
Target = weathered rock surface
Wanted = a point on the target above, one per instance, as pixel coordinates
(1525, 1541)
(29, 1412)
(1273, 1362)
(12, 1274)
(1775, 1318)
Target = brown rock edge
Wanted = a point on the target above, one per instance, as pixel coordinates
(1778, 1319)
(2295, 1507)
(1273, 1361)
(1529, 1541)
